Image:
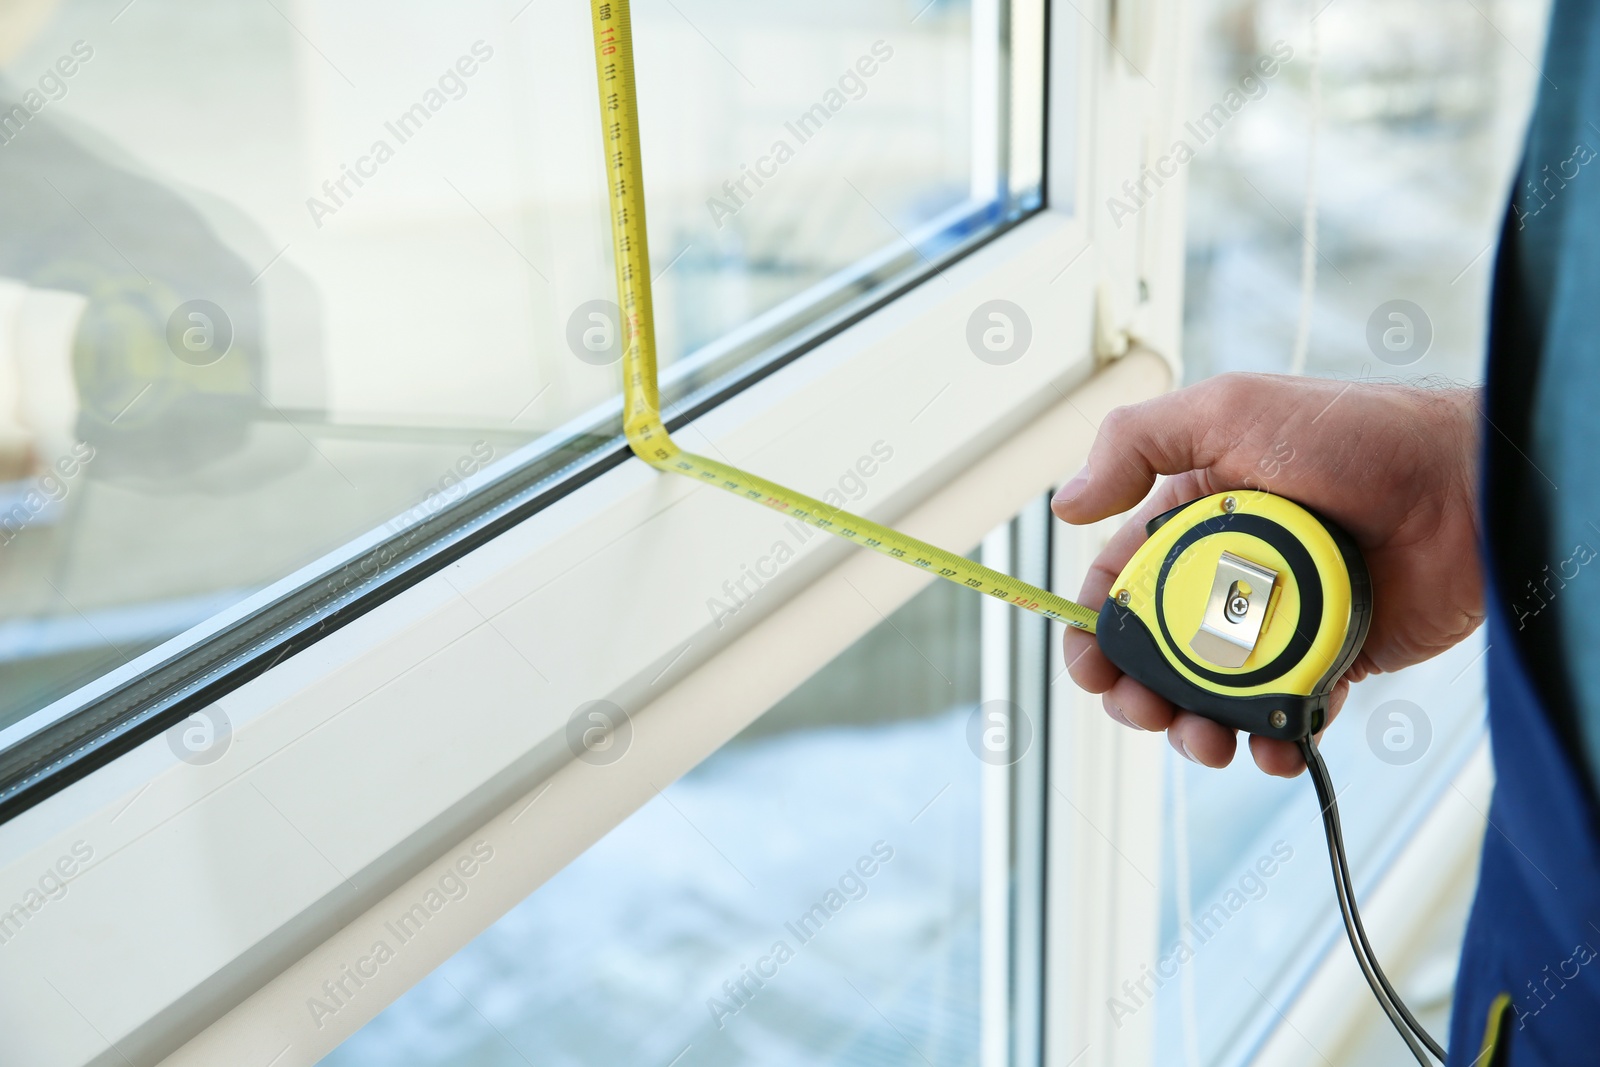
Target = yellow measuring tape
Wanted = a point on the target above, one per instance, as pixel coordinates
(619, 117)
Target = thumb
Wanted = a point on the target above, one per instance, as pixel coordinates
(1166, 435)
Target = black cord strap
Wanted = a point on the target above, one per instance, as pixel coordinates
(1411, 1031)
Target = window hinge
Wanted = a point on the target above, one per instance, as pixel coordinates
(1111, 341)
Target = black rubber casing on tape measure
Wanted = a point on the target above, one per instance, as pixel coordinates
(1129, 644)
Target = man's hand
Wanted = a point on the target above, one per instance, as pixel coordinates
(1395, 466)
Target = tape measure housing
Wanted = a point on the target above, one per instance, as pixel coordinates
(1312, 621)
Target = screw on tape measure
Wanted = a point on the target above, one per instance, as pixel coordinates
(1245, 608)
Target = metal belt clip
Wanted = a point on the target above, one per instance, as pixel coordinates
(1235, 611)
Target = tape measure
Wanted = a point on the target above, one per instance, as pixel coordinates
(1242, 607)
(1295, 599)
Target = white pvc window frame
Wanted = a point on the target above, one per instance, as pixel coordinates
(186, 912)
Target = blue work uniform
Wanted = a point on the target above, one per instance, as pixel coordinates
(1528, 992)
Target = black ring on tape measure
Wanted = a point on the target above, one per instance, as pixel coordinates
(1300, 564)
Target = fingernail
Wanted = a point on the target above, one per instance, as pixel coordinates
(1073, 487)
(1116, 713)
(1183, 747)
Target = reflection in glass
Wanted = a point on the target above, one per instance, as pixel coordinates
(280, 276)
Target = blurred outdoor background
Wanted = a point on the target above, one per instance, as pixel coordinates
(1423, 109)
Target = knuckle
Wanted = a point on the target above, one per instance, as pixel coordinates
(1118, 420)
(1236, 391)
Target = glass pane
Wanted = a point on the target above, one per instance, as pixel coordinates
(1424, 108)
(809, 894)
(281, 275)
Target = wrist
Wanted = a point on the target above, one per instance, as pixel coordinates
(1457, 417)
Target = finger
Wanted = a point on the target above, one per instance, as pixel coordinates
(1088, 666)
(1116, 713)
(1166, 435)
(1097, 581)
(1279, 758)
(1336, 699)
(1086, 663)
(1138, 706)
(1207, 743)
